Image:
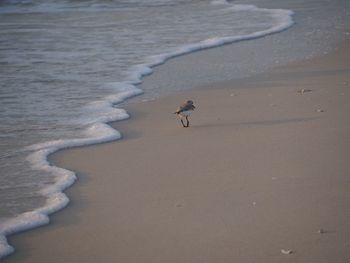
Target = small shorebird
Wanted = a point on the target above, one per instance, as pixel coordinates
(185, 110)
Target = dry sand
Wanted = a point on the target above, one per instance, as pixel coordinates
(262, 168)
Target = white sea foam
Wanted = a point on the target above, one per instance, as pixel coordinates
(98, 132)
(283, 21)
(101, 112)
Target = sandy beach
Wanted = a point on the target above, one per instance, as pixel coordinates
(261, 175)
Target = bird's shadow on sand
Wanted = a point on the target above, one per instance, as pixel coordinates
(222, 123)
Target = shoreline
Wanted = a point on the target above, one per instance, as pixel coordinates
(138, 132)
(55, 198)
(196, 64)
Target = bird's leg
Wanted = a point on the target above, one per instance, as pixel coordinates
(182, 122)
(188, 122)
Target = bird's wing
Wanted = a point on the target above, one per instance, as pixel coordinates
(180, 108)
(185, 107)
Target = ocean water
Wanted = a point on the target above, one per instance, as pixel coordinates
(66, 67)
